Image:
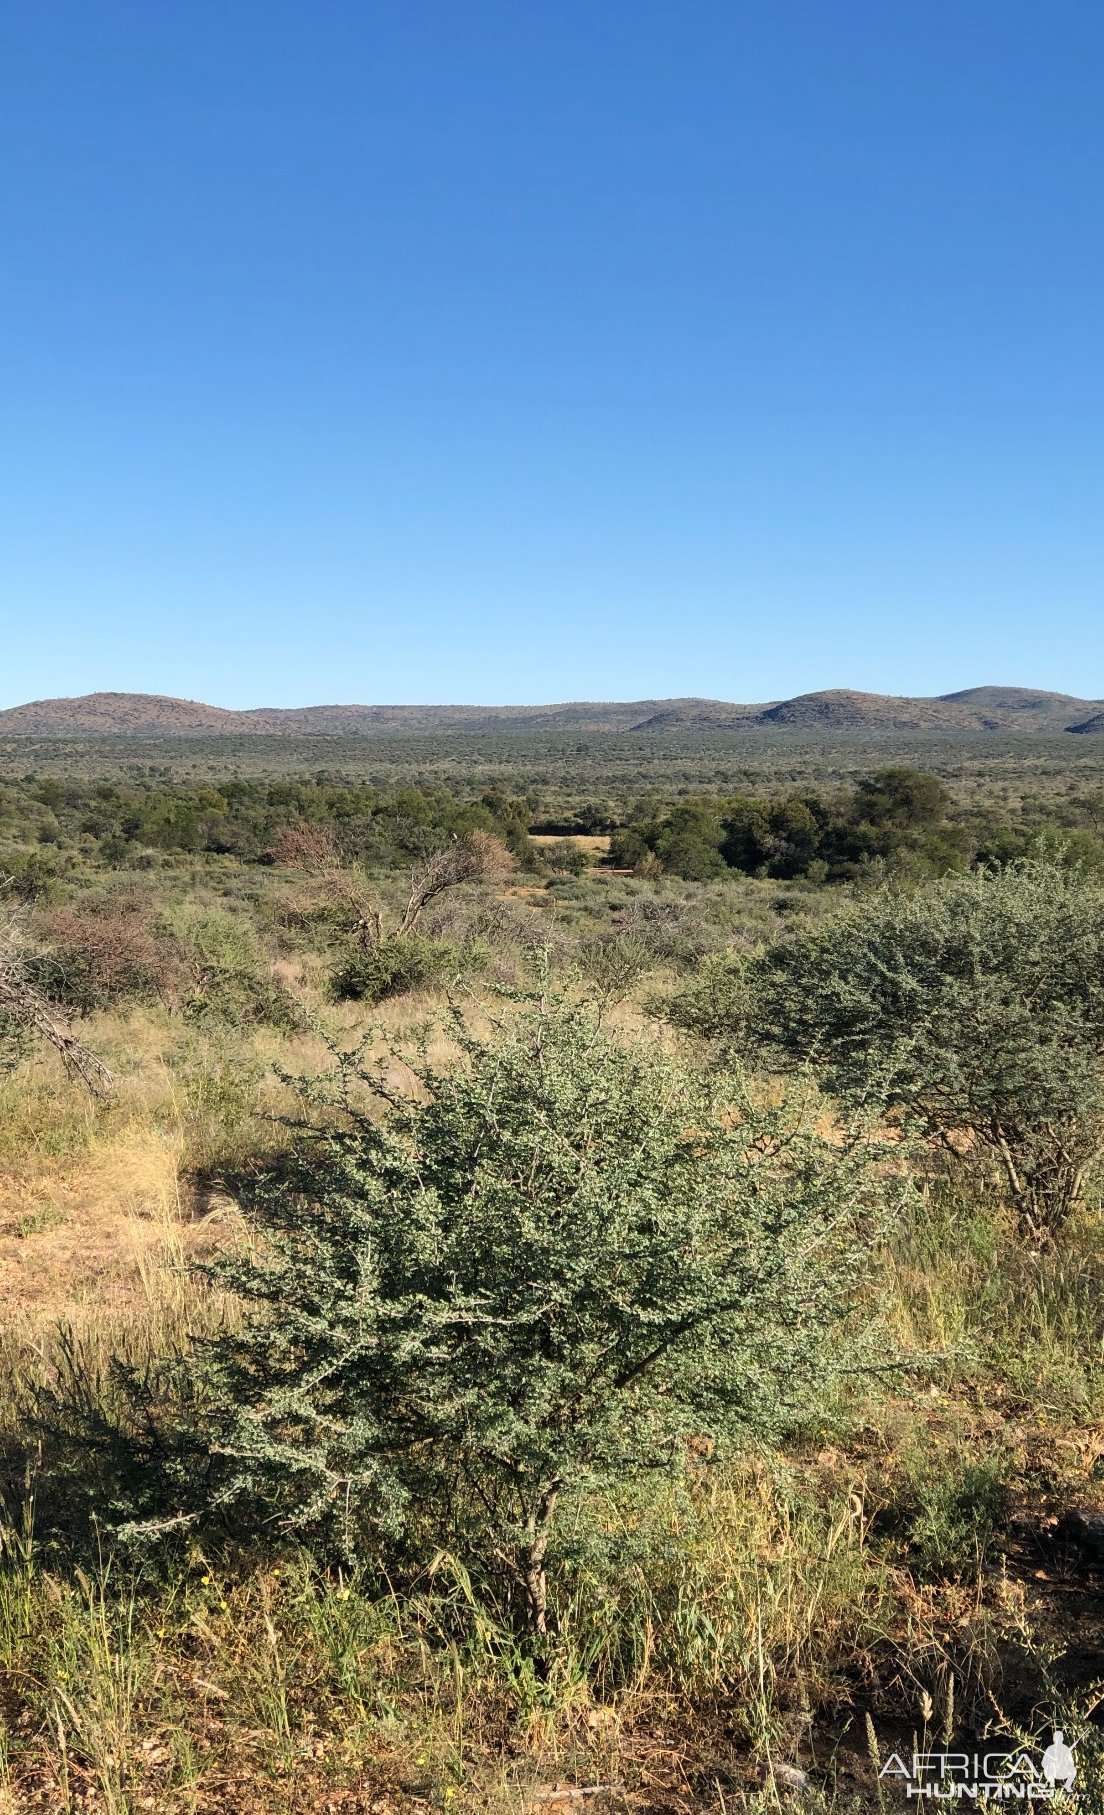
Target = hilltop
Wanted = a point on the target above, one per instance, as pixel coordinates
(844, 709)
(154, 715)
(974, 709)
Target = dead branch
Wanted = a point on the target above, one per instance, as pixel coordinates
(476, 858)
(307, 847)
(315, 850)
(25, 1005)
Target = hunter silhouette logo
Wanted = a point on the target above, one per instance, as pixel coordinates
(1059, 1765)
(998, 1776)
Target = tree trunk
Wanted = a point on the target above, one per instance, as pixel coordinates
(538, 1531)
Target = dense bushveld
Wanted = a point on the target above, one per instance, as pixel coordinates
(528, 1315)
(897, 816)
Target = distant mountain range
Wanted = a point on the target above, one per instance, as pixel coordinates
(150, 715)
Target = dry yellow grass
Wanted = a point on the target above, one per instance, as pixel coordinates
(584, 841)
(94, 1201)
(74, 1235)
(99, 1199)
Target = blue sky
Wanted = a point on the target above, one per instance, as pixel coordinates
(509, 351)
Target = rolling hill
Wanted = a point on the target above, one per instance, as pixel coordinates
(844, 710)
(975, 709)
(154, 715)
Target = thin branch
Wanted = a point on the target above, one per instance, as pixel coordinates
(25, 1005)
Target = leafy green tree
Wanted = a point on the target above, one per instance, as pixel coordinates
(683, 854)
(795, 837)
(747, 835)
(898, 817)
(510, 818)
(559, 1264)
(688, 841)
(1073, 846)
(1002, 845)
(973, 1007)
(902, 799)
(597, 817)
(780, 837)
(565, 857)
(626, 849)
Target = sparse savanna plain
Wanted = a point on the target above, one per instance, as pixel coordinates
(551, 1259)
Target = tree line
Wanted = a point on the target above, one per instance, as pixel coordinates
(899, 820)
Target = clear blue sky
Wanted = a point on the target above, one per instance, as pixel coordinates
(507, 350)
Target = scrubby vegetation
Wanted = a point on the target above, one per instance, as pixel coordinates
(899, 818)
(545, 1293)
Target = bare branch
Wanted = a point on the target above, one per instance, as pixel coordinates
(314, 849)
(25, 1005)
(476, 858)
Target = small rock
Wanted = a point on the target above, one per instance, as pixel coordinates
(788, 1777)
(1085, 1529)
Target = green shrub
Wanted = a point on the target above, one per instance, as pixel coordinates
(226, 972)
(614, 962)
(972, 1008)
(394, 967)
(565, 858)
(31, 877)
(15, 1043)
(712, 1003)
(958, 1508)
(566, 1263)
(220, 1103)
